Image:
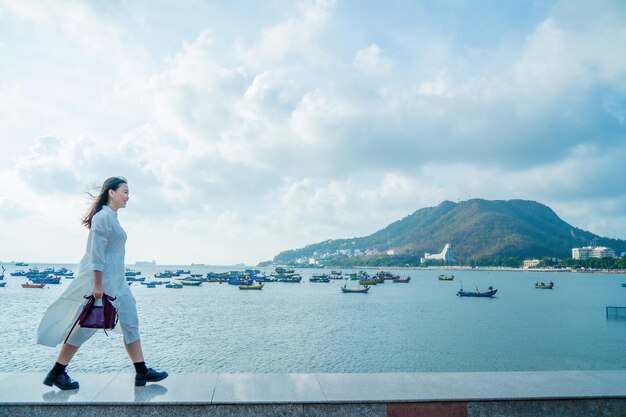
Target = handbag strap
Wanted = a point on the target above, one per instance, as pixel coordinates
(90, 302)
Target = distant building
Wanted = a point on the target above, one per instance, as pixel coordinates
(446, 255)
(312, 261)
(587, 252)
(391, 252)
(531, 263)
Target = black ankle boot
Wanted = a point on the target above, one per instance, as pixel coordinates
(150, 376)
(62, 381)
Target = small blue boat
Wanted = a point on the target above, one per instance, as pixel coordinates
(150, 285)
(240, 281)
(3, 284)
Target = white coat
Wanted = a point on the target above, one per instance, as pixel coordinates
(105, 252)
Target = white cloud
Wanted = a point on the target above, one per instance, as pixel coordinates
(371, 61)
(296, 36)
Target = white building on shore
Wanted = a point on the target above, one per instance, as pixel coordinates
(587, 252)
(446, 255)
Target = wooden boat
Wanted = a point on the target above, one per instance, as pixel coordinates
(399, 280)
(544, 286)
(360, 290)
(489, 293)
(174, 285)
(3, 283)
(30, 285)
(251, 287)
(623, 285)
(150, 285)
(368, 282)
(444, 277)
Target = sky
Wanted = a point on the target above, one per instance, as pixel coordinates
(247, 128)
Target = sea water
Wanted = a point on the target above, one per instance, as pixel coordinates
(314, 327)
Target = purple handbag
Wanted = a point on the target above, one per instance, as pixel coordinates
(97, 317)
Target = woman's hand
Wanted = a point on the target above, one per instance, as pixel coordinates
(98, 291)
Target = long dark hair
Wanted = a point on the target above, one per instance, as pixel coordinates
(102, 198)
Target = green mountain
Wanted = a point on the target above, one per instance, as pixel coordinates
(475, 228)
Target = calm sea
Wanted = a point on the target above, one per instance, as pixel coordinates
(313, 327)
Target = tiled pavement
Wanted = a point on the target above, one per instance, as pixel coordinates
(560, 393)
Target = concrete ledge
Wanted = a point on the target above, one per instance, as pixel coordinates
(561, 393)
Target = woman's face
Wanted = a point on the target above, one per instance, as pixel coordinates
(118, 198)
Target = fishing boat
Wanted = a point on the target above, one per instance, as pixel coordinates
(444, 277)
(3, 284)
(544, 286)
(135, 279)
(624, 285)
(384, 275)
(173, 285)
(189, 283)
(31, 285)
(368, 282)
(131, 273)
(489, 293)
(320, 278)
(150, 284)
(263, 278)
(47, 280)
(335, 274)
(21, 264)
(400, 280)
(63, 272)
(18, 273)
(166, 274)
(240, 281)
(283, 270)
(363, 290)
(251, 287)
(289, 278)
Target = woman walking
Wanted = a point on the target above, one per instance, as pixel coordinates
(101, 271)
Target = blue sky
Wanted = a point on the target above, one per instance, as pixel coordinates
(246, 128)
